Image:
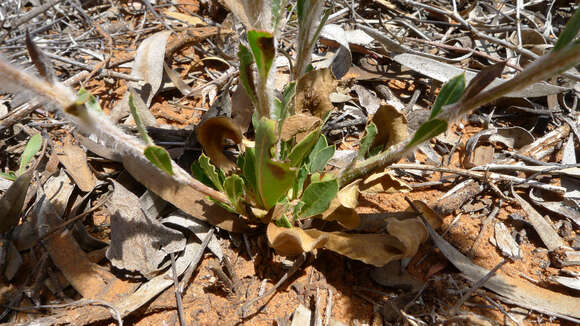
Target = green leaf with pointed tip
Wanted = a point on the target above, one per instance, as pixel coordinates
(427, 131)
(32, 147)
(317, 198)
(367, 140)
(273, 179)
(262, 46)
(246, 75)
(569, 33)
(234, 189)
(450, 93)
(138, 121)
(159, 157)
(303, 148)
(211, 172)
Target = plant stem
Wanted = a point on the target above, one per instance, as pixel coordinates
(547, 66)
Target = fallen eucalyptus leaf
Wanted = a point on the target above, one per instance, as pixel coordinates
(512, 137)
(549, 236)
(74, 159)
(138, 243)
(366, 99)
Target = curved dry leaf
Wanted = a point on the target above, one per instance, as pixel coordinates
(212, 133)
(391, 125)
(384, 182)
(374, 249)
(299, 124)
(313, 93)
(343, 208)
(429, 214)
(294, 241)
(410, 232)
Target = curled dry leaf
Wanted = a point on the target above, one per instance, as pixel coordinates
(299, 124)
(391, 126)
(375, 249)
(212, 134)
(313, 92)
(343, 208)
(384, 182)
(294, 241)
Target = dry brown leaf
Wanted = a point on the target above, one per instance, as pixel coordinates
(374, 249)
(138, 243)
(343, 208)
(294, 241)
(212, 133)
(429, 214)
(74, 159)
(384, 182)
(299, 124)
(411, 232)
(313, 93)
(391, 126)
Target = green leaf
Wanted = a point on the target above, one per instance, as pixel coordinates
(234, 189)
(317, 197)
(246, 75)
(89, 100)
(298, 185)
(569, 33)
(449, 94)
(262, 46)
(8, 176)
(427, 131)
(138, 121)
(211, 172)
(318, 163)
(32, 147)
(199, 174)
(283, 222)
(273, 179)
(159, 157)
(366, 142)
(303, 148)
